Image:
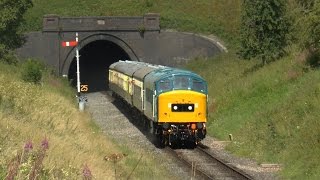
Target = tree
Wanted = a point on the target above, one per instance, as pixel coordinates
(264, 29)
(308, 30)
(11, 16)
(313, 28)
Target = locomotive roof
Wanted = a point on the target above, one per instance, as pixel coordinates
(140, 70)
(168, 72)
(126, 67)
(134, 68)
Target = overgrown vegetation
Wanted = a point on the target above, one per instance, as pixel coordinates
(47, 114)
(11, 16)
(264, 30)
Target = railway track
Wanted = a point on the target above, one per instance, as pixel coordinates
(204, 165)
(197, 163)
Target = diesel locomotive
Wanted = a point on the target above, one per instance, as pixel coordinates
(172, 101)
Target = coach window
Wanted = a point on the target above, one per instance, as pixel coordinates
(137, 91)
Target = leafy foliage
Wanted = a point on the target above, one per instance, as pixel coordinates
(11, 16)
(307, 29)
(32, 71)
(307, 5)
(264, 28)
(8, 56)
(314, 26)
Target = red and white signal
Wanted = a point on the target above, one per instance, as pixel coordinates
(69, 43)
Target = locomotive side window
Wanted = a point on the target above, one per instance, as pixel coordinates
(198, 85)
(149, 94)
(164, 85)
(181, 82)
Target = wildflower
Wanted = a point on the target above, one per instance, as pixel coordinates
(28, 146)
(45, 144)
(86, 173)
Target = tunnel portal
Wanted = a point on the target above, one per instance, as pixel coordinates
(95, 59)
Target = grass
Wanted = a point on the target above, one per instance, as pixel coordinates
(272, 111)
(30, 113)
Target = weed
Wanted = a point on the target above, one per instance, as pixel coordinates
(86, 173)
(28, 163)
(149, 3)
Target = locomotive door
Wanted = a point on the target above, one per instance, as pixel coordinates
(155, 105)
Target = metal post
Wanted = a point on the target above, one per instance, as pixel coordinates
(78, 68)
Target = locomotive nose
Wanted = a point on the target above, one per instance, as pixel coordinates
(182, 106)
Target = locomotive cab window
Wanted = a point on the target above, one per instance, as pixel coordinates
(181, 82)
(198, 85)
(164, 85)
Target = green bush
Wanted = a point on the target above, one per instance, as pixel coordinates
(32, 71)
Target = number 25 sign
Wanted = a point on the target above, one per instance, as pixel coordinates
(84, 88)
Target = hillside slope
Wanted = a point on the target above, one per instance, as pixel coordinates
(272, 112)
(42, 131)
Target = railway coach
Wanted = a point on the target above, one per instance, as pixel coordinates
(172, 101)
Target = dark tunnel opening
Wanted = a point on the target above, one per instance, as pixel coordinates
(95, 59)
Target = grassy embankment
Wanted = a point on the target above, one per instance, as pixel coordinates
(33, 114)
(272, 111)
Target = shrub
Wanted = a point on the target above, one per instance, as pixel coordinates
(32, 71)
(314, 59)
(7, 56)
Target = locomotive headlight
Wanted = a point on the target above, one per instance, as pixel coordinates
(175, 107)
(190, 108)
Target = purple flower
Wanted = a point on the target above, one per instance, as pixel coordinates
(45, 144)
(86, 172)
(28, 146)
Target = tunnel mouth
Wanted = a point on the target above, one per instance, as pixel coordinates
(95, 59)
